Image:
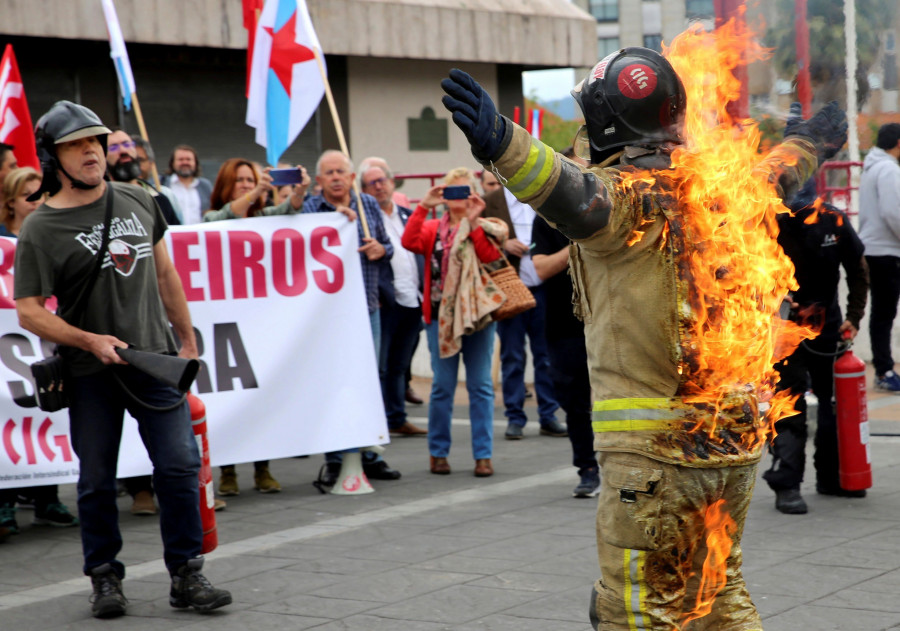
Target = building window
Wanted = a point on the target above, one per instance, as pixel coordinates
(606, 46)
(699, 9)
(654, 42)
(605, 10)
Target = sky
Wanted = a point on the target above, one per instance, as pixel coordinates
(549, 85)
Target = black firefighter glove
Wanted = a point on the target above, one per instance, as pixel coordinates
(474, 113)
(827, 130)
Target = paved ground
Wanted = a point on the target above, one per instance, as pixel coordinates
(428, 552)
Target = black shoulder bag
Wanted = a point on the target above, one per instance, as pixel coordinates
(49, 386)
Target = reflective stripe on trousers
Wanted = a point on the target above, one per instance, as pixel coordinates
(635, 588)
(637, 414)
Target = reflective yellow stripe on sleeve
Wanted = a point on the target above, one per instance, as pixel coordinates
(635, 414)
(635, 589)
(532, 175)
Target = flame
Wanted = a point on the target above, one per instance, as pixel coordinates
(819, 208)
(737, 273)
(733, 274)
(719, 529)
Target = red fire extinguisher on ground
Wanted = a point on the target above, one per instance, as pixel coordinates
(854, 452)
(207, 495)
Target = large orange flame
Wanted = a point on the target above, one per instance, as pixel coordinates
(738, 273)
(737, 266)
(719, 529)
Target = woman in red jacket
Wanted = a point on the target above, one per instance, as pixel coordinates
(434, 238)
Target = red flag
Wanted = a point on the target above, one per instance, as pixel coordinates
(15, 120)
(252, 9)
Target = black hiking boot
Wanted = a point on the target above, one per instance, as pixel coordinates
(191, 589)
(108, 601)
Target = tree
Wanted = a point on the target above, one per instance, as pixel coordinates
(827, 46)
(557, 133)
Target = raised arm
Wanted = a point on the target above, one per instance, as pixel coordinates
(574, 200)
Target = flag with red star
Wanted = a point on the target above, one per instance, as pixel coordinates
(286, 86)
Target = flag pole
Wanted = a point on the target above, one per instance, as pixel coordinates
(143, 130)
(341, 140)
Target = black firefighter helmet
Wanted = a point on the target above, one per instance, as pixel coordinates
(631, 97)
(63, 122)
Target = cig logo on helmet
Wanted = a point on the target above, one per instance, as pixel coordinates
(631, 97)
(637, 81)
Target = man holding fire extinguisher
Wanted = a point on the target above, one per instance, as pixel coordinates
(819, 240)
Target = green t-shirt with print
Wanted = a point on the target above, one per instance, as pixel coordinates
(55, 256)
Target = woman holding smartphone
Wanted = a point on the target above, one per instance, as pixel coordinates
(240, 191)
(451, 294)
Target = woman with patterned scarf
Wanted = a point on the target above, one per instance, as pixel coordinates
(459, 299)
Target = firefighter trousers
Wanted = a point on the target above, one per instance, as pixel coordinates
(653, 540)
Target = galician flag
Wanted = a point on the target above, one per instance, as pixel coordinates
(15, 120)
(285, 83)
(118, 53)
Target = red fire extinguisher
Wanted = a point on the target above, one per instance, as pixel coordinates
(207, 496)
(854, 452)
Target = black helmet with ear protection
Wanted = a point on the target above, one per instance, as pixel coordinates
(631, 97)
(63, 122)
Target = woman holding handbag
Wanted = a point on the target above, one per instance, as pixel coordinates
(459, 300)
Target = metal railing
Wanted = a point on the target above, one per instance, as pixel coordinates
(835, 184)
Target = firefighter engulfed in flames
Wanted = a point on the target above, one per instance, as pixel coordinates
(679, 294)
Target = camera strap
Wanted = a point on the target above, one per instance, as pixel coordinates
(98, 264)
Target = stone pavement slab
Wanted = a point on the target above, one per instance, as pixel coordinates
(459, 553)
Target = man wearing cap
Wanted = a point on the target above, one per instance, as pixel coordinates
(136, 295)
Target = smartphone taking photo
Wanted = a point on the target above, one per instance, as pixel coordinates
(283, 177)
(457, 192)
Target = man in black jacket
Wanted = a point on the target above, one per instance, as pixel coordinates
(819, 240)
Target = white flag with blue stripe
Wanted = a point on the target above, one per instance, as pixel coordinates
(286, 85)
(118, 53)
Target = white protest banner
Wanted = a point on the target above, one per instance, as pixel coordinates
(289, 366)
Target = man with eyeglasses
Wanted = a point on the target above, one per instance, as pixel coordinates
(401, 303)
(334, 173)
(147, 160)
(123, 166)
(145, 157)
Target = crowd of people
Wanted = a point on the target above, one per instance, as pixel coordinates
(411, 273)
(424, 268)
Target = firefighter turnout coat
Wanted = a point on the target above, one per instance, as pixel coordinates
(633, 291)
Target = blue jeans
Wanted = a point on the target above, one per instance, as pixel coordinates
(512, 362)
(96, 413)
(476, 352)
(400, 328)
(368, 456)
